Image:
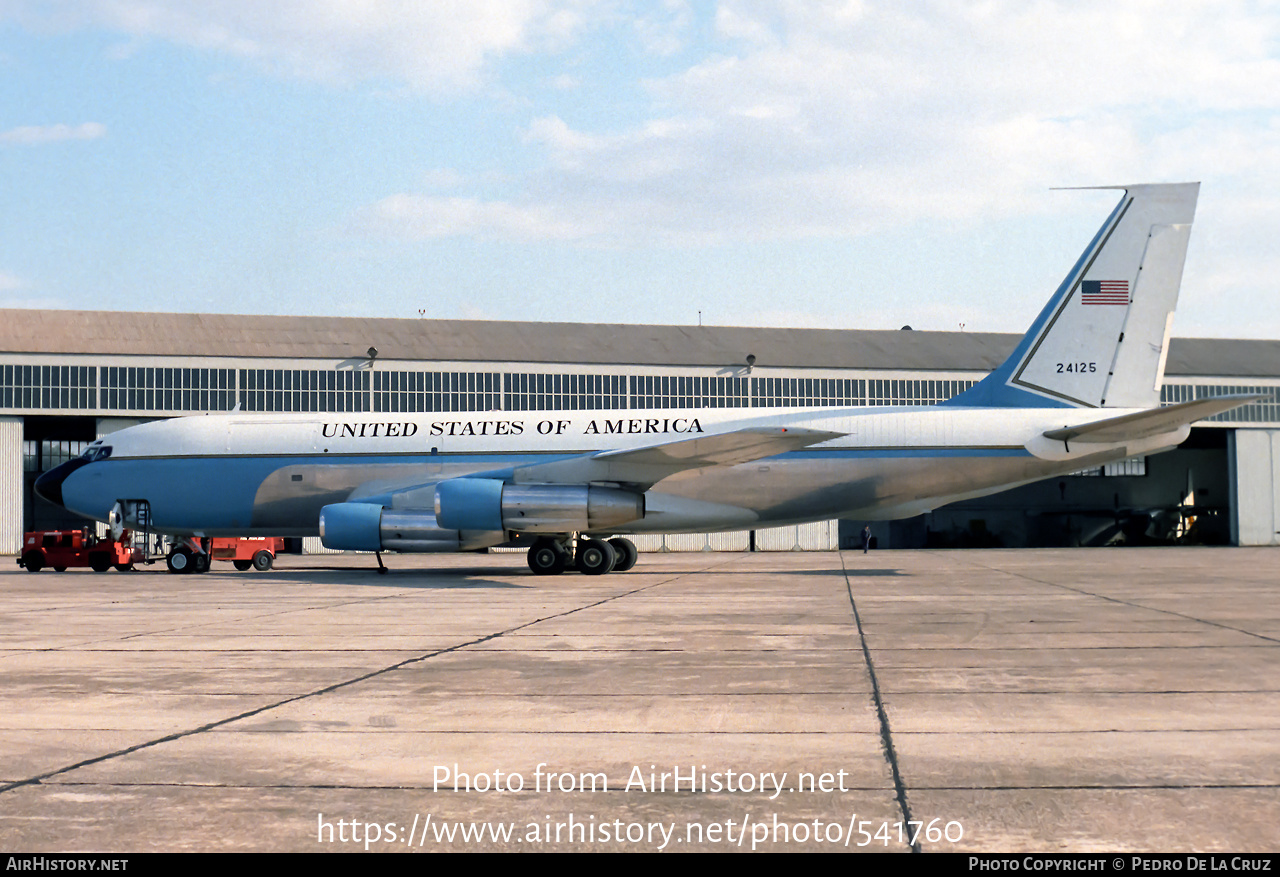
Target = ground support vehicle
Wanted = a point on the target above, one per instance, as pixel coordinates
(195, 554)
(63, 549)
(259, 554)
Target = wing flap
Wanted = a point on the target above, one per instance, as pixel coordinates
(648, 465)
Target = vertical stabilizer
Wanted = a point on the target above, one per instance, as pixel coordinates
(1101, 341)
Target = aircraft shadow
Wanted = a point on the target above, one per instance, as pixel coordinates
(408, 578)
(839, 573)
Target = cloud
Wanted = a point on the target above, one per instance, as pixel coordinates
(425, 217)
(33, 135)
(806, 119)
(436, 48)
(971, 106)
(443, 178)
(813, 119)
(11, 284)
(663, 29)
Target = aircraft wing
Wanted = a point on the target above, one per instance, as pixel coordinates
(1156, 421)
(644, 467)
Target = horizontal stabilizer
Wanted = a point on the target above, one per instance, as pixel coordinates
(1145, 424)
(648, 465)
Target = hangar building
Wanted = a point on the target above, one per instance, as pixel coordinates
(68, 377)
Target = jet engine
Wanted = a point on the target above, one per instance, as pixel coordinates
(357, 526)
(489, 504)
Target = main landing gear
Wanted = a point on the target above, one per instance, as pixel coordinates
(187, 556)
(595, 557)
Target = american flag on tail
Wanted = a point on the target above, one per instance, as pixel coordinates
(1104, 292)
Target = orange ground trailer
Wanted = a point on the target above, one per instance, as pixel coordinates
(245, 553)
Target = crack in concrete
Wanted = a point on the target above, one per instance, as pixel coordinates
(1117, 600)
(179, 735)
(886, 733)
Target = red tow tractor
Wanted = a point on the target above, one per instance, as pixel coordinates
(62, 549)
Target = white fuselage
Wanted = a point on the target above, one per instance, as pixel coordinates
(270, 474)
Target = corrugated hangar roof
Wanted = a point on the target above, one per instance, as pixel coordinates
(156, 334)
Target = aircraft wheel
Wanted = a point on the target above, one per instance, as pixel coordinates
(548, 558)
(262, 561)
(99, 562)
(242, 565)
(595, 558)
(627, 554)
(202, 562)
(33, 561)
(180, 560)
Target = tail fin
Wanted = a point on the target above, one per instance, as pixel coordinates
(1101, 341)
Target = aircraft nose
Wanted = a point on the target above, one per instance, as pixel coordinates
(49, 485)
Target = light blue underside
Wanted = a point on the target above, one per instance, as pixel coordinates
(195, 494)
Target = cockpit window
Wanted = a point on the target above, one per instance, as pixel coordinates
(96, 452)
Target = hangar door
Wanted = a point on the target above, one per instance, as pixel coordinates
(1255, 481)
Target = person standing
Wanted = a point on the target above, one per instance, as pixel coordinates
(866, 538)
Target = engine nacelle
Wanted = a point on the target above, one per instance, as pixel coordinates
(358, 526)
(486, 503)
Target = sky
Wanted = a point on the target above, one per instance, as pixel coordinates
(792, 163)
